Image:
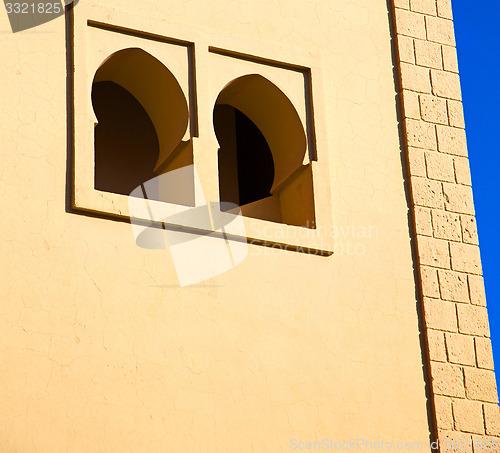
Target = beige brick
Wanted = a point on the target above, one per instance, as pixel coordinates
(421, 135)
(476, 290)
(462, 171)
(452, 141)
(480, 385)
(433, 252)
(430, 283)
(484, 353)
(444, 415)
(447, 379)
(468, 416)
(439, 166)
(427, 193)
(473, 320)
(433, 109)
(492, 419)
(440, 30)
(446, 225)
(405, 4)
(411, 106)
(454, 442)
(415, 78)
(458, 198)
(440, 315)
(450, 60)
(416, 159)
(456, 114)
(410, 24)
(428, 54)
(423, 221)
(406, 49)
(465, 258)
(453, 286)
(424, 6)
(469, 229)
(444, 9)
(460, 349)
(437, 348)
(446, 84)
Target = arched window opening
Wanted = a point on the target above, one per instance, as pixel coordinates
(142, 117)
(262, 147)
(126, 143)
(244, 153)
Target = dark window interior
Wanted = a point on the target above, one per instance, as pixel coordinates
(246, 166)
(126, 143)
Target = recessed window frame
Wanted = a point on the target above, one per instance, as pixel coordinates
(202, 69)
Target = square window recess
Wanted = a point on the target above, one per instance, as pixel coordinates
(242, 115)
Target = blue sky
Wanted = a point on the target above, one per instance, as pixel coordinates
(477, 32)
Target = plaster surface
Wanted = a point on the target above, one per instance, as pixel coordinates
(102, 351)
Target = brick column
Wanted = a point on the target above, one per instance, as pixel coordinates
(463, 383)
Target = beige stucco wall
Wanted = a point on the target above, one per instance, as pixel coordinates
(102, 351)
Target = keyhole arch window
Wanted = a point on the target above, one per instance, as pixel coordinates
(262, 146)
(141, 118)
